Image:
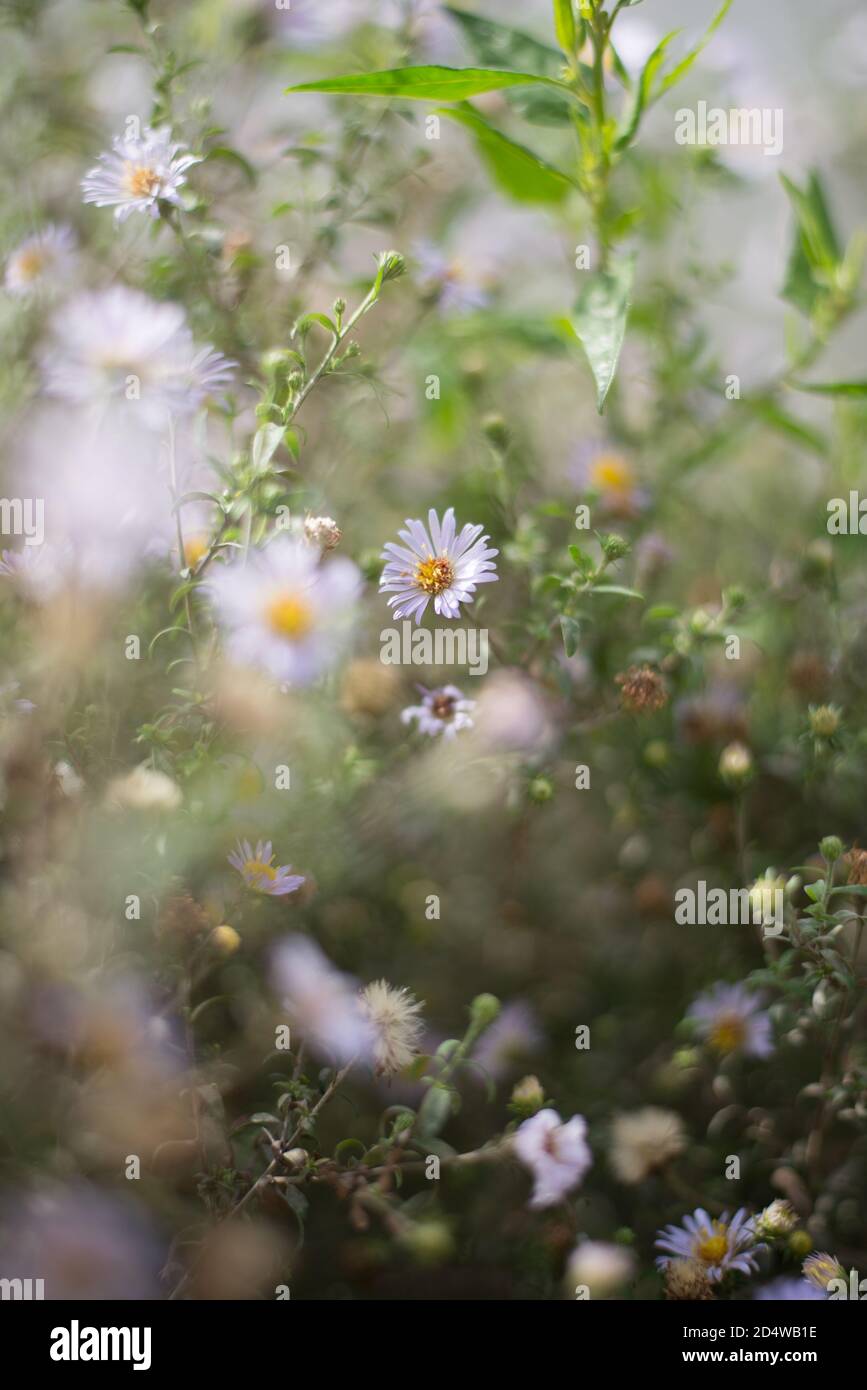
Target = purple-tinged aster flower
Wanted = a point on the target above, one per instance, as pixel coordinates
(458, 288)
(730, 1019)
(137, 174)
(322, 1003)
(42, 262)
(717, 1243)
(444, 566)
(259, 872)
(557, 1155)
(788, 1289)
(443, 711)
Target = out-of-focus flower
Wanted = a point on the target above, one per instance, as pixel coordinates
(687, 1281)
(528, 1096)
(856, 866)
(609, 477)
(642, 690)
(42, 262)
(512, 715)
(730, 1019)
(393, 1015)
(716, 714)
(825, 720)
(442, 711)
(763, 898)
(779, 1218)
(118, 346)
(284, 612)
(821, 1268)
(144, 789)
(643, 1141)
(137, 174)
(68, 779)
(457, 286)
(718, 1244)
(84, 1245)
(442, 566)
(322, 531)
(322, 1002)
(601, 1266)
(789, 1289)
(368, 688)
(512, 1037)
(557, 1155)
(258, 871)
(736, 765)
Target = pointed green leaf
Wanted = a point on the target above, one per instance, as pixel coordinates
(517, 170)
(642, 92)
(431, 83)
(686, 63)
(599, 321)
(571, 630)
(833, 388)
(498, 45)
(564, 26)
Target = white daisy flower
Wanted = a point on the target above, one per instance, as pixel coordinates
(443, 711)
(285, 612)
(731, 1019)
(442, 566)
(557, 1155)
(136, 175)
(120, 346)
(42, 261)
(394, 1017)
(321, 1002)
(717, 1244)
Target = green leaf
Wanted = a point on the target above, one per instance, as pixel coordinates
(571, 630)
(768, 410)
(686, 63)
(642, 94)
(515, 169)
(266, 441)
(499, 46)
(599, 321)
(580, 558)
(232, 156)
(832, 388)
(616, 589)
(815, 252)
(564, 26)
(431, 83)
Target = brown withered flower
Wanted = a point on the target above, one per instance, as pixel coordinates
(855, 863)
(642, 690)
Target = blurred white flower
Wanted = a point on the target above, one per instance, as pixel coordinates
(393, 1015)
(322, 1003)
(137, 174)
(602, 1267)
(144, 789)
(643, 1141)
(42, 262)
(442, 566)
(284, 612)
(730, 1019)
(443, 711)
(557, 1155)
(118, 346)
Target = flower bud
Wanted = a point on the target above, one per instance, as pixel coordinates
(831, 847)
(736, 765)
(824, 720)
(528, 1095)
(484, 1009)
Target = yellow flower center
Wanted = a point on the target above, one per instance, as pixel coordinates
(434, 575)
(194, 548)
(31, 263)
(712, 1249)
(289, 616)
(257, 868)
(728, 1033)
(611, 473)
(140, 180)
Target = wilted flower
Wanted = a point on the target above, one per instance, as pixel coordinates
(322, 1002)
(730, 1019)
(779, 1218)
(139, 173)
(856, 866)
(687, 1281)
(283, 611)
(442, 566)
(821, 1268)
(322, 531)
(601, 1266)
(42, 261)
(443, 711)
(643, 1141)
(260, 873)
(718, 1244)
(119, 346)
(144, 789)
(642, 690)
(557, 1155)
(394, 1017)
